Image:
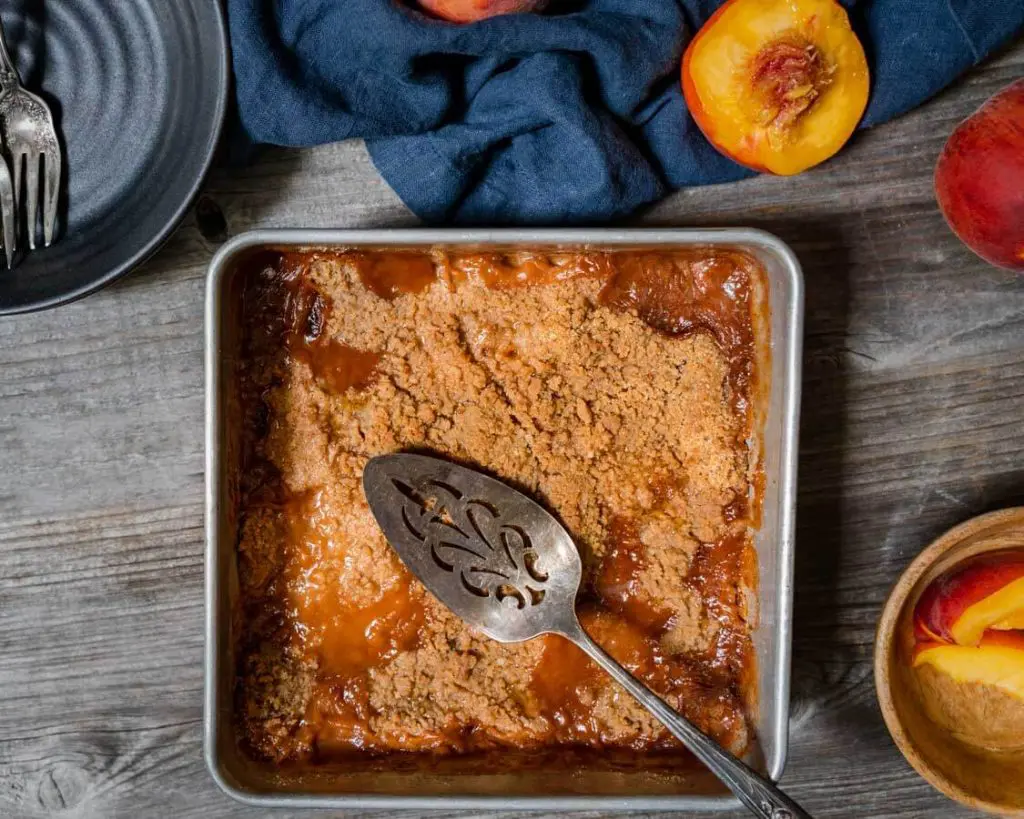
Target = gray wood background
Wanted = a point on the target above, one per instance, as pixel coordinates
(913, 409)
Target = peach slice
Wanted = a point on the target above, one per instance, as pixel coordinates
(777, 85)
(976, 692)
(1014, 622)
(998, 660)
(984, 592)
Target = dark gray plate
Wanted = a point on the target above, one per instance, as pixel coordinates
(138, 89)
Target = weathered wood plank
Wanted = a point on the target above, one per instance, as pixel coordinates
(914, 391)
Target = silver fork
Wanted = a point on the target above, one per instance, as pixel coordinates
(31, 141)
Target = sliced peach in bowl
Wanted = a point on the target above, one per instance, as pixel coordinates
(984, 592)
(956, 712)
(777, 85)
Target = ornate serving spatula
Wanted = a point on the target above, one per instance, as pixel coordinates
(507, 567)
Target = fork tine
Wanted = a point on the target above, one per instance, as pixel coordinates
(51, 192)
(7, 212)
(32, 197)
(17, 162)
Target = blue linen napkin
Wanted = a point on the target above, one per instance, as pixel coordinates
(574, 115)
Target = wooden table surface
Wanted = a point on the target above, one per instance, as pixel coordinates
(912, 421)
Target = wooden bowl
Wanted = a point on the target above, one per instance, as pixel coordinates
(982, 779)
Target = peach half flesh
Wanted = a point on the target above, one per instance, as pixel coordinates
(985, 592)
(777, 85)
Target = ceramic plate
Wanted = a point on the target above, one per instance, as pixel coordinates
(138, 90)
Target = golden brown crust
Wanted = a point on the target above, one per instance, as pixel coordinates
(553, 388)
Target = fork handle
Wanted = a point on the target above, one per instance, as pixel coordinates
(9, 78)
(756, 792)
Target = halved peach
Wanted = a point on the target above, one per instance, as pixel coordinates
(984, 592)
(777, 85)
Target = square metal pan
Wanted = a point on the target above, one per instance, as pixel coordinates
(444, 786)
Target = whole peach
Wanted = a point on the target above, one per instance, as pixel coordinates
(469, 11)
(979, 179)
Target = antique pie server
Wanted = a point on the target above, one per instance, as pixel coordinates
(507, 567)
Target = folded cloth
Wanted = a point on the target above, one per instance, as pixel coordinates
(574, 115)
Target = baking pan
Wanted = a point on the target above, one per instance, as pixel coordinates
(453, 782)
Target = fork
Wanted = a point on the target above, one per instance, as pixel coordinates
(31, 141)
(7, 210)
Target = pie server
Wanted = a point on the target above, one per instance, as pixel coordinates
(508, 568)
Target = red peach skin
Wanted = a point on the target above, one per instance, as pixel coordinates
(469, 11)
(979, 179)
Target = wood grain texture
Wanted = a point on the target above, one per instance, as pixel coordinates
(913, 403)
